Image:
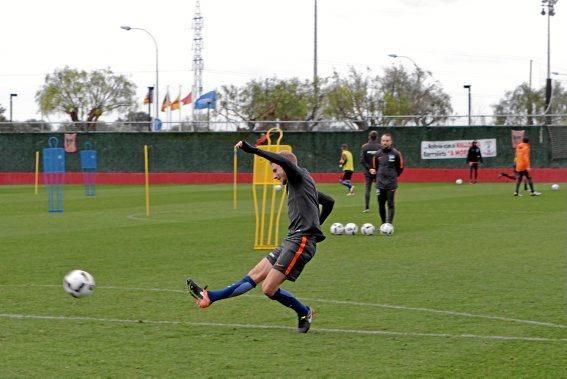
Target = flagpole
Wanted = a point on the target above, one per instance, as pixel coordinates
(168, 111)
(187, 100)
(179, 105)
(193, 108)
(150, 89)
(150, 99)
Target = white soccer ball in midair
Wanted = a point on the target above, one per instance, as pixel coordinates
(459, 181)
(337, 228)
(386, 229)
(351, 228)
(79, 283)
(555, 187)
(367, 229)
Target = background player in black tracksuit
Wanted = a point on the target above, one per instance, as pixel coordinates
(288, 260)
(367, 152)
(388, 164)
(474, 158)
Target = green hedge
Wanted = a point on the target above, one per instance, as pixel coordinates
(213, 152)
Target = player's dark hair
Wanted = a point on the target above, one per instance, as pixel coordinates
(373, 135)
(525, 140)
(344, 146)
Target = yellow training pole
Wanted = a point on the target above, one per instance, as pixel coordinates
(36, 171)
(271, 220)
(234, 178)
(257, 241)
(263, 214)
(284, 193)
(146, 169)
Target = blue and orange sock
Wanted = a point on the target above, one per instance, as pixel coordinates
(235, 289)
(287, 299)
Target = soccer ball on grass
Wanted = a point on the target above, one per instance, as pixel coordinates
(79, 283)
(367, 229)
(386, 229)
(555, 187)
(337, 228)
(459, 181)
(351, 228)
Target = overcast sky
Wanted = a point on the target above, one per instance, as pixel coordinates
(485, 43)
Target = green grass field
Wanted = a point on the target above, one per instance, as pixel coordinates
(472, 284)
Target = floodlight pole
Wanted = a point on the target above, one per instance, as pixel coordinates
(468, 86)
(315, 78)
(550, 4)
(12, 95)
(157, 66)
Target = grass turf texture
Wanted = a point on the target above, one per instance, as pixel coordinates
(466, 266)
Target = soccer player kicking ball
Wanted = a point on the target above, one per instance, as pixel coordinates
(288, 260)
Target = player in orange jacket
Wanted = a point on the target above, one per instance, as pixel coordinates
(523, 166)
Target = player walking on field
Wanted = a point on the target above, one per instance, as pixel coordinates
(367, 152)
(388, 164)
(288, 260)
(523, 168)
(346, 163)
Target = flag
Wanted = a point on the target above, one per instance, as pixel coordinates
(187, 99)
(166, 102)
(175, 105)
(70, 142)
(206, 101)
(149, 99)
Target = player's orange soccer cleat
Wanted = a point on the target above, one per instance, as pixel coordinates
(201, 295)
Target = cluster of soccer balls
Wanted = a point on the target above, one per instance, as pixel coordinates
(79, 283)
(367, 229)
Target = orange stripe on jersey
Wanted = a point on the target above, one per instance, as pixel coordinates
(296, 255)
(401, 160)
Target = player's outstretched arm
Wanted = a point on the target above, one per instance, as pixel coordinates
(288, 166)
(327, 204)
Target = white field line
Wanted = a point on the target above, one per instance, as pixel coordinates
(340, 302)
(258, 326)
(139, 216)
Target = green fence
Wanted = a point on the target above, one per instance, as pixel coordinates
(212, 152)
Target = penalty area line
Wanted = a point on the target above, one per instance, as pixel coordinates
(275, 327)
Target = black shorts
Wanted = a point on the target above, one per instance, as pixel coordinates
(292, 255)
(347, 174)
(523, 173)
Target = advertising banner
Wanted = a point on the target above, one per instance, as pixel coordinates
(456, 149)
